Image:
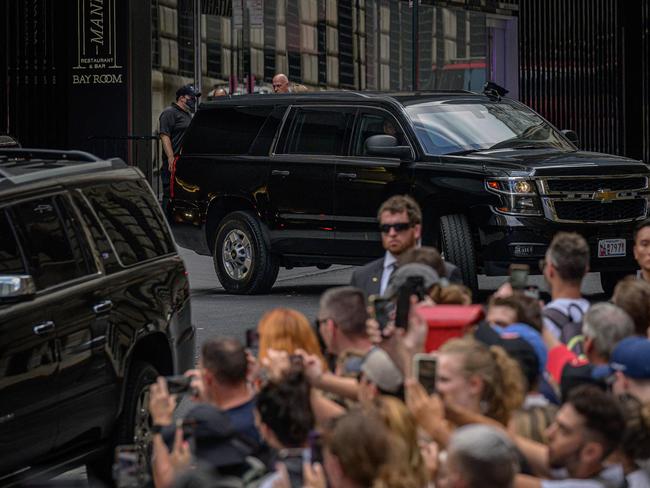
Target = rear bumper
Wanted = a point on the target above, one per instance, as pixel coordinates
(507, 239)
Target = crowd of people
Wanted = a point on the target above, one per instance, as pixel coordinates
(550, 395)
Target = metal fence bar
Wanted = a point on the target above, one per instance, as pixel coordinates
(110, 146)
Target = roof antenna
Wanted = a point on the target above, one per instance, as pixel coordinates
(493, 90)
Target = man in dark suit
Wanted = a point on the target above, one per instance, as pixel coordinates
(400, 223)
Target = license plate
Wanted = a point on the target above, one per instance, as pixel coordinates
(611, 248)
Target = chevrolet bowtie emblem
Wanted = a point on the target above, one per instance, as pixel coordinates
(605, 195)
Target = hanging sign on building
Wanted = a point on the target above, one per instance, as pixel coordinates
(96, 61)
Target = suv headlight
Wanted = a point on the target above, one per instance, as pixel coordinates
(518, 196)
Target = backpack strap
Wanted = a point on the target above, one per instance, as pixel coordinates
(558, 317)
(581, 313)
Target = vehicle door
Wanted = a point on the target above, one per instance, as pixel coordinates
(129, 234)
(301, 180)
(82, 316)
(363, 182)
(46, 335)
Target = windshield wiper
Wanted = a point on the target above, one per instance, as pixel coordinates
(521, 138)
(464, 152)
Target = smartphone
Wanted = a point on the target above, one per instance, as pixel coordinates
(315, 447)
(127, 471)
(296, 361)
(414, 285)
(424, 369)
(178, 384)
(253, 341)
(189, 427)
(382, 308)
(519, 276)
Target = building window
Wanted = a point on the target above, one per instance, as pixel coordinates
(213, 45)
(155, 35)
(185, 38)
(293, 41)
(270, 32)
(346, 49)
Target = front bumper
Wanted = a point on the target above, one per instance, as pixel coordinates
(504, 239)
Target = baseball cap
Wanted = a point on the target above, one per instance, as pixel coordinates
(403, 273)
(631, 357)
(379, 368)
(215, 438)
(187, 90)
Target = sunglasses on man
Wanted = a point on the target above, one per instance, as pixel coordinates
(399, 227)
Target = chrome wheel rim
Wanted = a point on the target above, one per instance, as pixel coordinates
(142, 437)
(237, 254)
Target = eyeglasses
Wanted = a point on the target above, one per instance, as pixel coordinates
(319, 321)
(399, 227)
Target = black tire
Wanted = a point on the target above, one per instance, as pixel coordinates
(242, 260)
(609, 279)
(133, 426)
(458, 247)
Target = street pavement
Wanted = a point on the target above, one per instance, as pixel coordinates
(217, 313)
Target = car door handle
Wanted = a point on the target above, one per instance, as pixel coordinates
(280, 172)
(349, 176)
(43, 328)
(103, 307)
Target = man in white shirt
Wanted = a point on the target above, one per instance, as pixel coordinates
(564, 267)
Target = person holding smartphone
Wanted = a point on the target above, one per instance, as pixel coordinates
(221, 382)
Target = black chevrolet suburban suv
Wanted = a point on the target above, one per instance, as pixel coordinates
(94, 304)
(296, 180)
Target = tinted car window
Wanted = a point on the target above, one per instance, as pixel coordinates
(227, 130)
(106, 252)
(11, 261)
(319, 131)
(51, 244)
(376, 124)
(129, 213)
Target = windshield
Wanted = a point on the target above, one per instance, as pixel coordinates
(461, 128)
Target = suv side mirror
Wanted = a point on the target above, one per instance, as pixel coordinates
(572, 136)
(386, 146)
(13, 287)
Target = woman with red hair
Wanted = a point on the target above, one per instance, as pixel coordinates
(285, 329)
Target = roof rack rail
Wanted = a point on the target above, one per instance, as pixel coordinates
(29, 154)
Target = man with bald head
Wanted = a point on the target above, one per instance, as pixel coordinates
(280, 83)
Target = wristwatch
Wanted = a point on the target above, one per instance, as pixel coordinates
(156, 429)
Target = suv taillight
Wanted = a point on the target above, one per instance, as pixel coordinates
(173, 176)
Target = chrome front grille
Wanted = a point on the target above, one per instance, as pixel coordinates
(594, 199)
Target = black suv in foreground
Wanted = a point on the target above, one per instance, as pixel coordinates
(296, 180)
(94, 304)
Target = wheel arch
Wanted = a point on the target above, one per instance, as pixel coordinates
(219, 207)
(153, 349)
(432, 211)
